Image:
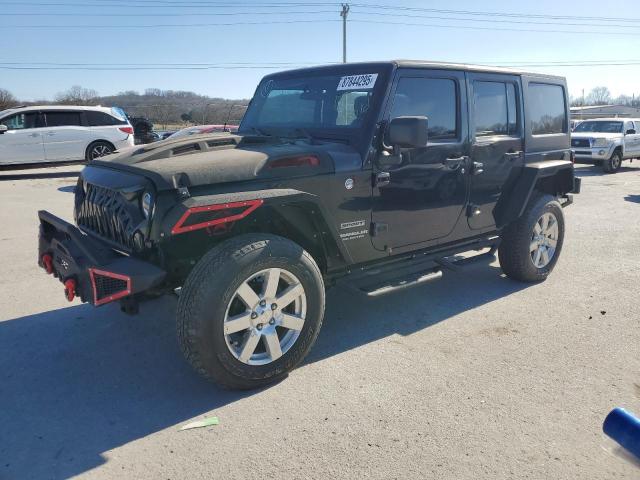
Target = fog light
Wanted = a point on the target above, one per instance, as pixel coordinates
(601, 152)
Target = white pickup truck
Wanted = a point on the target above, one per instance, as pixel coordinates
(606, 141)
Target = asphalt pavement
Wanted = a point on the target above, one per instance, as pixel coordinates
(471, 377)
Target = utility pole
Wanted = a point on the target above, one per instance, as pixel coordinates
(343, 14)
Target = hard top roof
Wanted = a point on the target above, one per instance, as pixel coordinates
(423, 64)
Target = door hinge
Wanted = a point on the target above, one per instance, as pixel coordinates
(473, 210)
(381, 179)
(378, 227)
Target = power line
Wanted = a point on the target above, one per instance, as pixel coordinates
(132, 5)
(469, 27)
(485, 20)
(496, 14)
(171, 25)
(160, 14)
(116, 67)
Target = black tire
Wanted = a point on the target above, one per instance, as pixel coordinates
(515, 252)
(613, 164)
(210, 289)
(98, 149)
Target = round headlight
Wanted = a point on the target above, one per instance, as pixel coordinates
(147, 204)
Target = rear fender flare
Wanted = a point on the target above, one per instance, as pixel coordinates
(555, 177)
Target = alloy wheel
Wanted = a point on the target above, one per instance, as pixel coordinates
(265, 316)
(100, 151)
(544, 240)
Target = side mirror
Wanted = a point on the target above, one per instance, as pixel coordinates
(407, 132)
(3, 128)
(631, 131)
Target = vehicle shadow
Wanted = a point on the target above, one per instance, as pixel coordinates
(632, 198)
(78, 382)
(34, 176)
(596, 170)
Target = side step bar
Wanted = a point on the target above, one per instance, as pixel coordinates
(410, 272)
(401, 283)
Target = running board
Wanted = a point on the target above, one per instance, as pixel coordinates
(396, 284)
(457, 265)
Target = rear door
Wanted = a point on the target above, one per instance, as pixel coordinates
(496, 124)
(22, 142)
(426, 193)
(65, 137)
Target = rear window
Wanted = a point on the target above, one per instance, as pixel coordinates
(495, 109)
(63, 119)
(100, 119)
(547, 112)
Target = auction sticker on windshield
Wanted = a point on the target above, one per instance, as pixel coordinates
(358, 82)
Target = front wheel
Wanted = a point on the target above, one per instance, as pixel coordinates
(613, 164)
(531, 245)
(250, 310)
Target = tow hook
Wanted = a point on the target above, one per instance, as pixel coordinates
(47, 261)
(70, 289)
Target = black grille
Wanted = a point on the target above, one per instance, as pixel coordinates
(106, 213)
(108, 286)
(580, 142)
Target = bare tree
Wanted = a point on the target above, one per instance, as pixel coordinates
(7, 100)
(599, 96)
(78, 95)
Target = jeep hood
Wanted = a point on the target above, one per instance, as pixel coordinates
(224, 158)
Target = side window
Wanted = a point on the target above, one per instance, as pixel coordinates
(62, 119)
(547, 112)
(20, 121)
(628, 126)
(495, 108)
(101, 119)
(435, 98)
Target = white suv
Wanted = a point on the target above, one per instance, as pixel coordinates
(60, 133)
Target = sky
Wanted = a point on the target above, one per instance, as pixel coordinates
(267, 36)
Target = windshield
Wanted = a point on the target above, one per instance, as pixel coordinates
(321, 101)
(601, 126)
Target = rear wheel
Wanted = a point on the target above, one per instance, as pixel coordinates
(98, 149)
(613, 164)
(531, 245)
(250, 311)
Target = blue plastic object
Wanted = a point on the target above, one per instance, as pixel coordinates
(624, 428)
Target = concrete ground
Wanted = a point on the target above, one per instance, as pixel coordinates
(472, 377)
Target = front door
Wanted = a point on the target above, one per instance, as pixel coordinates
(22, 142)
(497, 141)
(426, 193)
(632, 140)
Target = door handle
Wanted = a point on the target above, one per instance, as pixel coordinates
(34, 135)
(455, 163)
(513, 155)
(51, 133)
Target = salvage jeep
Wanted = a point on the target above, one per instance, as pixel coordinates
(376, 176)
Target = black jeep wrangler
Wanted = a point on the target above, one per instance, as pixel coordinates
(376, 176)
